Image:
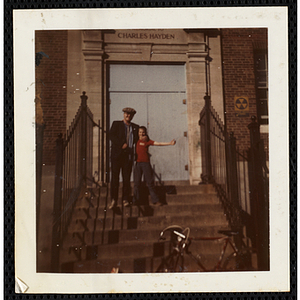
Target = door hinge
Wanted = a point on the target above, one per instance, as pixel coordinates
(186, 167)
(184, 101)
(185, 134)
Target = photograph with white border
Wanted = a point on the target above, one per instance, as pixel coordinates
(209, 83)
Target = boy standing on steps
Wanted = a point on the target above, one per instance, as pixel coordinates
(143, 165)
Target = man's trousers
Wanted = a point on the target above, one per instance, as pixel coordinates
(122, 163)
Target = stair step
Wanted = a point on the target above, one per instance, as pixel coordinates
(121, 236)
(188, 198)
(131, 250)
(148, 210)
(126, 222)
(201, 188)
(170, 189)
(139, 265)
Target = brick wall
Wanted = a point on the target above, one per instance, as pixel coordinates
(239, 79)
(51, 88)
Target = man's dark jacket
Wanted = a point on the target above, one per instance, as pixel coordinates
(118, 137)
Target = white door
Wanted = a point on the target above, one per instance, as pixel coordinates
(157, 93)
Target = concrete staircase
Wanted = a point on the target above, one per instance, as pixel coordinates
(127, 237)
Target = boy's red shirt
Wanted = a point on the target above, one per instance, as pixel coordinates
(142, 150)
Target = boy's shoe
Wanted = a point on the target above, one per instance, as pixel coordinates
(126, 203)
(113, 204)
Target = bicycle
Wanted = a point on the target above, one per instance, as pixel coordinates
(180, 241)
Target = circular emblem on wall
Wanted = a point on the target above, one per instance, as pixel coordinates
(241, 103)
(241, 106)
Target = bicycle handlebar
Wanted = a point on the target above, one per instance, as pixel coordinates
(185, 234)
(182, 233)
(172, 227)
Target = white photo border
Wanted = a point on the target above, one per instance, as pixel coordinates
(26, 22)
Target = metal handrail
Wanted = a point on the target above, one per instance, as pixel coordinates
(73, 172)
(240, 178)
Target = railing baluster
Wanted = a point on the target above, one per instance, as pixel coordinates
(57, 205)
(208, 138)
(99, 149)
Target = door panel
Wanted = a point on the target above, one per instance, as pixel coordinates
(167, 120)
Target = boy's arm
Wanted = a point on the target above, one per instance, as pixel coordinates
(173, 142)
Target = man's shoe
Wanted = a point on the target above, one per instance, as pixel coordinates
(113, 204)
(126, 203)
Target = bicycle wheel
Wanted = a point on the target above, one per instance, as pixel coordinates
(238, 261)
(171, 263)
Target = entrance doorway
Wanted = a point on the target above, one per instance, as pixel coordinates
(157, 93)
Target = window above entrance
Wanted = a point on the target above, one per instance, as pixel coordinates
(147, 78)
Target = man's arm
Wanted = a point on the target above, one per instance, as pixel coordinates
(114, 134)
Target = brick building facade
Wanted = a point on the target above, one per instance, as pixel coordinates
(238, 47)
(232, 75)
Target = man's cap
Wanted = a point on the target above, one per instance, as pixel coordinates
(129, 110)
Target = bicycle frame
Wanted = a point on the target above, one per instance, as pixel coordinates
(227, 240)
(181, 241)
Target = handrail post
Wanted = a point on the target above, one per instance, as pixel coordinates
(208, 138)
(233, 188)
(100, 174)
(259, 205)
(56, 238)
(233, 173)
(39, 170)
(84, 138)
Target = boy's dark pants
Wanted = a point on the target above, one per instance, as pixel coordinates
(146, 169)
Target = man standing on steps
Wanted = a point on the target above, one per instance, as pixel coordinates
(123, 135)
